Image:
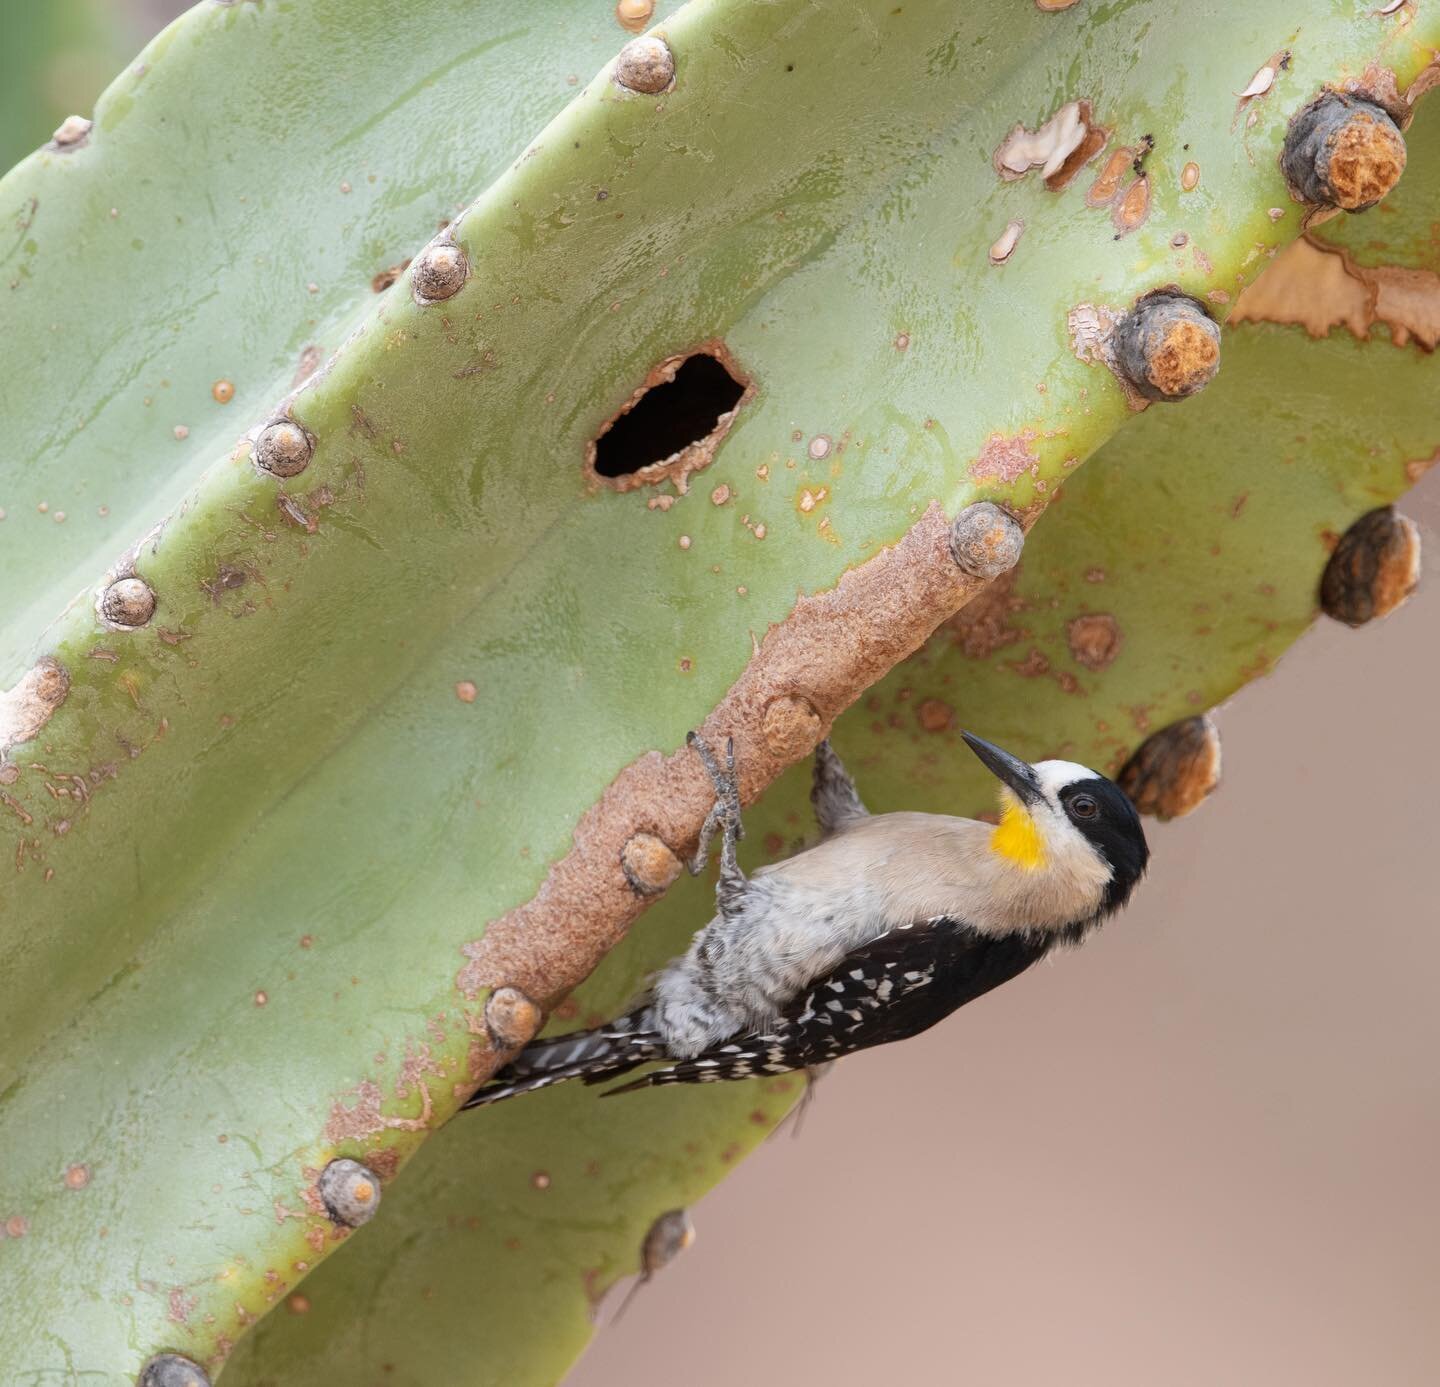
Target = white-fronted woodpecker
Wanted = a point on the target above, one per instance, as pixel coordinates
(883, 928)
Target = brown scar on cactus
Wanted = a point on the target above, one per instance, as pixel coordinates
(383, 279)
(1174, 770)
(673, 422)
(832, 646)
(1003, 458)
(1094, 639)
(1103, 191)
(1047, 148)
(634, 14)
(1132, 207)
(28, 706)
(365, 1116)
(1095, 139)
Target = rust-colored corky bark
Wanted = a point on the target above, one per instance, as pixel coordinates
(805, 672)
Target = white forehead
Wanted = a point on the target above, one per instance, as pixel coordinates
(1054, 776)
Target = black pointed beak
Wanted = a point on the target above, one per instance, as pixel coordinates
(1009, 770)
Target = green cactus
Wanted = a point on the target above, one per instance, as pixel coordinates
(1234, 476)
(336, 702)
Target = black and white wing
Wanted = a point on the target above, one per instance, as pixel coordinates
(894, 987)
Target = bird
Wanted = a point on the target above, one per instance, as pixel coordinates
(877, 932)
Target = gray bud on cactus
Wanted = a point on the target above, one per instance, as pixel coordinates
(439, 272)
(1168, 346)
(350, 1192)
(172, 1370)
(985, 541)
(127, 603)
(1343, 151)
(283, 448)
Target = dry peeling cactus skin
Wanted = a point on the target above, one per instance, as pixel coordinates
(277, 810)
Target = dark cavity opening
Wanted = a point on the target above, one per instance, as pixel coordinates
(668, 417)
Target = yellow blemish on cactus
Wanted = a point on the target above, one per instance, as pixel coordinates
(1017, 839)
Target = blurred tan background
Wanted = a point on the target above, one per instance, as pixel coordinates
(1203, 1150)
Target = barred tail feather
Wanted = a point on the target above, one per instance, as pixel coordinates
(603, 1053)
(759, 1055)
(561, 1051)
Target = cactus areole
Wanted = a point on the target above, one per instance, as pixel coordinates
(394, 473)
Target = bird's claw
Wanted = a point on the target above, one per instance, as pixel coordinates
(725, 812)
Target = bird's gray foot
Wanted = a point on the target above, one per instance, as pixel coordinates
(725, 815)
(832, 792)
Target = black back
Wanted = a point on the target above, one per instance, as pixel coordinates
(890, 989)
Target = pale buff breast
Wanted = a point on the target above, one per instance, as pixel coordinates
(914, 866)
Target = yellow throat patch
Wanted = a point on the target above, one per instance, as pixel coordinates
(1017, 839)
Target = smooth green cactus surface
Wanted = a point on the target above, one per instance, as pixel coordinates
(374, 699)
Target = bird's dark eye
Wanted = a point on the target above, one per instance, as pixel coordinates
(1083, 807)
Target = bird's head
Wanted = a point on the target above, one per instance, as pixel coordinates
(1056, 813)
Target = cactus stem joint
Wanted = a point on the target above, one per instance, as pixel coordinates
(1167, 347)
(349, 1191)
